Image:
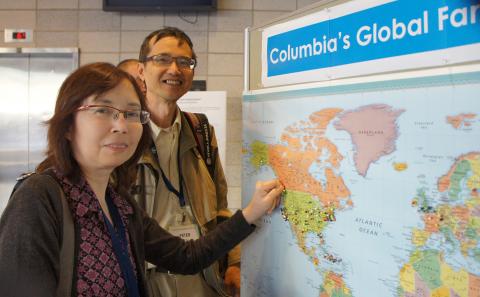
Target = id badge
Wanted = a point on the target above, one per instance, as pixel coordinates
(185, 232)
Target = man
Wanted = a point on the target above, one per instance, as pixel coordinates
(173, 182)
(130, 66)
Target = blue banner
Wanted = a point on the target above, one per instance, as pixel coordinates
(389, 30)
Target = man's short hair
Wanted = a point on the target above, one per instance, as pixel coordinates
(159, 34)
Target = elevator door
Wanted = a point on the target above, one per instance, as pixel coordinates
(29, 83)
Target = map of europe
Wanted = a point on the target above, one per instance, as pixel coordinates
(382, 192)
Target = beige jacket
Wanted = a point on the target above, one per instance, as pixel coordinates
(206, 197)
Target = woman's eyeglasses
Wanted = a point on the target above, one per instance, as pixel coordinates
(109, 112)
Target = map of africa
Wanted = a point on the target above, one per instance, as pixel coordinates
(382, 192)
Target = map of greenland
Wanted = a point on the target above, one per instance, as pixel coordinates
(373, 130)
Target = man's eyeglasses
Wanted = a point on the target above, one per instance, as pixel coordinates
(106, 112)
(167, 60)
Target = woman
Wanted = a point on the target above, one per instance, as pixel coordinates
(96, 135)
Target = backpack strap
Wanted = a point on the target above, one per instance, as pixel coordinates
(20, 180)
(65, 280)
(200, 127)
(198, 123)
(67, 248)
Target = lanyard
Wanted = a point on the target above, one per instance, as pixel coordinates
(168, 184)
(120, 248)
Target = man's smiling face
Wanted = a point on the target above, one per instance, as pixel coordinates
(169, 82)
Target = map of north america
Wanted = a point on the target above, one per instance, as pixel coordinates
(345, 169)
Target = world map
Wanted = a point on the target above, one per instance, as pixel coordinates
(382, 191)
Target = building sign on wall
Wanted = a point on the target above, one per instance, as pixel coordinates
(364, 37)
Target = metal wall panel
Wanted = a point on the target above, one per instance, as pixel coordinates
(29, 80)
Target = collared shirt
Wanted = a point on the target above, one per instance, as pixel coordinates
(166, 142)
(166, 208)
(98, 271)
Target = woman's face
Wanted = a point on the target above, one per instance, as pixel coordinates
(100, 142)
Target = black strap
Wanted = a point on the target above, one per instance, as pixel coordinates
(198, 123)
(120, 248)
(20, 180)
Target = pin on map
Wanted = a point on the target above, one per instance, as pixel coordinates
(284, 192)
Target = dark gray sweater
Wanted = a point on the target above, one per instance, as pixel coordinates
(31, 236)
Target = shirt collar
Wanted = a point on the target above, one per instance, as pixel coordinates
(177, 124)
(84, 200)
(123, 206)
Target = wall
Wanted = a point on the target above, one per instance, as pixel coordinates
(112, 36)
